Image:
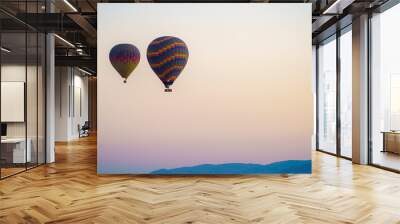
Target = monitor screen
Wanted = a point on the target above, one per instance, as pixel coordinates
(3, 129)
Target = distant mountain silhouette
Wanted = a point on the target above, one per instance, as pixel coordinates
(286, 167)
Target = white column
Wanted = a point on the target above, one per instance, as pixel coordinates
(360, 90)
(50, 99)
(50, 92)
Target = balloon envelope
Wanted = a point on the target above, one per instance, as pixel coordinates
(124, 58)
(167, 57)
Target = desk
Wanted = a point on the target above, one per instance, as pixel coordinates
(13, 150)
(391, 141)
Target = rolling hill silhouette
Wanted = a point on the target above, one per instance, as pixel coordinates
(286, 167)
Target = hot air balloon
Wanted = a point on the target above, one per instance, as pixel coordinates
(167, 57)
(124, 58)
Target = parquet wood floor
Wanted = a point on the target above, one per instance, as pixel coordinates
(70, 191)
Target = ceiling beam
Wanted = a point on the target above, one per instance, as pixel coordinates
(81, 61)
(83, 23)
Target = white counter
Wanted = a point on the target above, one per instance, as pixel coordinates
(19, 155)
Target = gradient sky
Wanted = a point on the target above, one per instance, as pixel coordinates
(244, 96)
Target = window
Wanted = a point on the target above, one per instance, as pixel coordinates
(346, 93)
(334, 106)
(22, 66)
(327, 96)
(385, 89)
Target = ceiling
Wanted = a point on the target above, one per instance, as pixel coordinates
(75, 21)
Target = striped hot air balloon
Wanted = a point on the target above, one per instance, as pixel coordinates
(167, 57)
(124, 58)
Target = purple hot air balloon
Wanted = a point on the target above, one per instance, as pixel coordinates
(167, 57)
(124, 58)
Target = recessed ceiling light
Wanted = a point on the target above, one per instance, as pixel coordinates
(70, 5)
(84, 71)
(64, 40)
(5, 50)
(338, 6)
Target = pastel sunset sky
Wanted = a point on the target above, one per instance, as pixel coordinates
(245, 95)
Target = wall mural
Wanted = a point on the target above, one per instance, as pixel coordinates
(243, 104)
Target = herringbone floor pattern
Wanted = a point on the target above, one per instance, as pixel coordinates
(70, 191)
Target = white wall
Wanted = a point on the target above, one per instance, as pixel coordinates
(69, 84)
(15, 72)
(62, 81)
(80, 110)
(34, 105)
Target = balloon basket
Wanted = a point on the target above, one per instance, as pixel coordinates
(168, 90)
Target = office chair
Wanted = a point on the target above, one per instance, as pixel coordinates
(84, 130)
